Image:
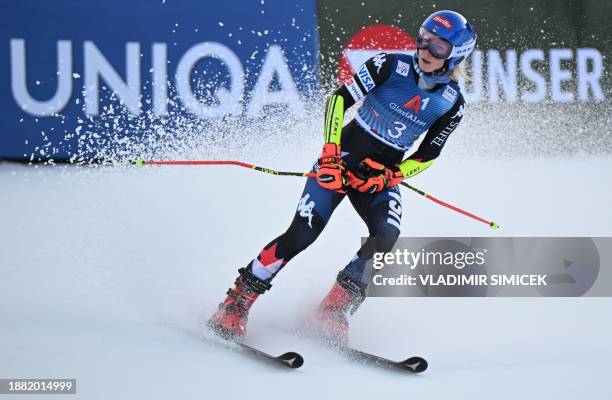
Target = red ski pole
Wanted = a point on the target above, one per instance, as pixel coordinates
(140, 163)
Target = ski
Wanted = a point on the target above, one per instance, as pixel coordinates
(289, 359)
(412, 364)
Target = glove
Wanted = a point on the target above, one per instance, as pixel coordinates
(373, 177)
(332, 173)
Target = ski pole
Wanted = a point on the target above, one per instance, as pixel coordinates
(492, 224)
(140, 163)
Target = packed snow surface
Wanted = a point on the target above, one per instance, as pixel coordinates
(106, 273)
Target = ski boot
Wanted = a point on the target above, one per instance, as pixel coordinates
(343, 300)
(230, 320)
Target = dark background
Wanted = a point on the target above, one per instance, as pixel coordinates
(499, 25)
(501, 129)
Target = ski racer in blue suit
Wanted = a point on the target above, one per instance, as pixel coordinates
(403, 98)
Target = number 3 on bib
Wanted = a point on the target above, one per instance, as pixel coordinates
(399, 127)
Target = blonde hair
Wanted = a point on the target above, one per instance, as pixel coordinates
(459, 72)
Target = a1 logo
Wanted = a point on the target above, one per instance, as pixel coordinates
(416, 103)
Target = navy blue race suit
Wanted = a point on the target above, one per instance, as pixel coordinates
(390, 119)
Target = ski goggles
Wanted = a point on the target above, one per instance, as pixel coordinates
(437, 46)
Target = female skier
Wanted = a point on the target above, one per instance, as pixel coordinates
(404, 96)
